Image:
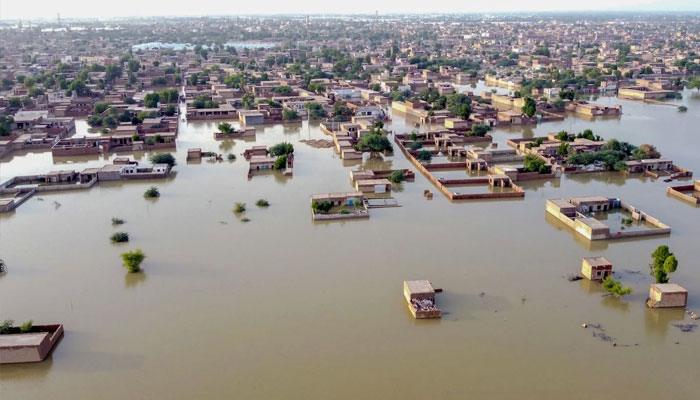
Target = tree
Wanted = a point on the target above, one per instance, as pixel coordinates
(3, 267)
(151, 100)
(248, 101)
(162, 158)
(280, 149)
(664, 263)
(315, 110)
(374, 143)
(152, 192)
(100, 107)
(132, 260)
(530, 107)
(225, 127)
(280, 162)
(290, 115)
(613, 286)
(6, 125)
(646, 151)
(694, 83)
(424, 155)
(397, 176)
(533, 163)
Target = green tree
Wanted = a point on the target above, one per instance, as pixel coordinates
(132, 260)
(611, 285)
(225, 127)
(280, 149)
(162, 158)
(694, 83)
(530, 107)
(532, 163)
(397, 176)
(664, 263)
(248, 101)
(374, 143)
(290, 115)
(151, 100)
(315, 110)
(280, 162)
(424, 155)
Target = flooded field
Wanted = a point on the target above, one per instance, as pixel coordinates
(282, 307)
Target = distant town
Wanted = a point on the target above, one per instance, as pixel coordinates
(581, 128)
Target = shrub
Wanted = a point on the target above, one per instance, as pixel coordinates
(416, 145)
(2, 266)
(239, 208)
(132, 260)
(119, 237)
(397, 176)
(611, 285)
(244, 219)
(117, 221)
(231, 157)
(425, 155)
(682, 108)
(26, 327)
(152, 192)
(262, 203)
(6, 326)
(281, 162)
(163, 158)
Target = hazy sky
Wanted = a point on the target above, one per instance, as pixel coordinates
(47, 9)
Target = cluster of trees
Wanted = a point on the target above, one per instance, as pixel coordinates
(204, 101)
(170, 95)
(282, 90)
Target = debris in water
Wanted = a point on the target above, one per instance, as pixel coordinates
(482, 294)
(686, 327)
(573, 278)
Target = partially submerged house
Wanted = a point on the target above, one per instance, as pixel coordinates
(33, 346)
(662, 295)
(575, 213)
(596, 268)
(420, 296)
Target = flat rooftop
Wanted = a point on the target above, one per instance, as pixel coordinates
(22, 339)
(669, 288)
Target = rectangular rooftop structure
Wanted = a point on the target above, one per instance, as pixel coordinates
(420, 296)
(596, 268)
(662, 295)
(33, 346)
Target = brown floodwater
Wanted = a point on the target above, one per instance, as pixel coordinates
(282, 307)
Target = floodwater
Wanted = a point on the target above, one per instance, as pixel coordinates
(284, 308)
